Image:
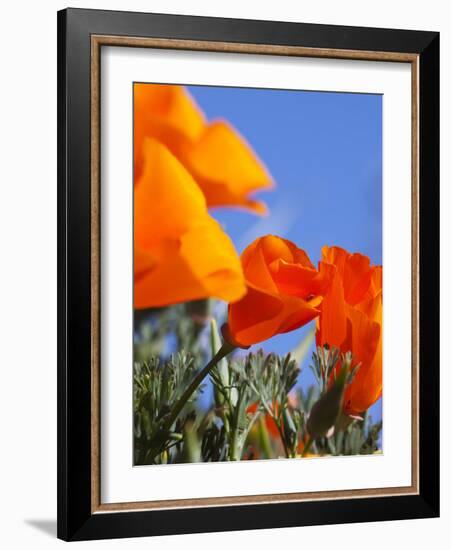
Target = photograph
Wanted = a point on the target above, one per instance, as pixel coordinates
(248, 273)
(258, 269)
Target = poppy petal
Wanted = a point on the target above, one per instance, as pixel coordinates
(356, 277)
(181, 252)
(167, 113)
(256, 269)
(298, 280)
(332, 329)
(366, 338)
(255, 318)
(225, 167)
(167, 200)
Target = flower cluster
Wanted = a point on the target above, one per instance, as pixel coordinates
(184, 166)
(285, 291)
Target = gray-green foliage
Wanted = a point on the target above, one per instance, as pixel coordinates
(360, 437)
(157, 387)
(248, 391)
(182, 322)
(272, 377)
(259, 380)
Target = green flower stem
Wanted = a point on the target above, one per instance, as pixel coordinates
(234, 451)
(236, 446)
(265, 443)
(282, 437)
(222, 352)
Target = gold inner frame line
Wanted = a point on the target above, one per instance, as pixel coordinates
(97, 41)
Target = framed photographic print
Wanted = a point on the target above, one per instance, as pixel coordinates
(248, 274)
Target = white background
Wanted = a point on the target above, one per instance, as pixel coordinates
(28, 274)
(120, 482)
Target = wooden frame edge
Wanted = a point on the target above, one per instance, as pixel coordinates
(235, 47)
(415, 255)
(109, 40)
(95, 276)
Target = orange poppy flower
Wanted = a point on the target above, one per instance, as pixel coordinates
(351, 320)
(284, 291)
(218, 158)
(270, 424)
(181, 252)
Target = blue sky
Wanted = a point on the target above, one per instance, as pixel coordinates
(324, 151)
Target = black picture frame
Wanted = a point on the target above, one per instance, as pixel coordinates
(76, 521)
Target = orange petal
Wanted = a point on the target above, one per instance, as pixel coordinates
(275, 248)
(332, 325)
(254, 318)
(252, 409)
(185, 272)
(365, 335)
(259, 316)
(143, 261)
(376, 283)
(256, 269)
(366, 342)
(181, 253)
(167, 200)
(167, 113)
(372, 308)
(171, 105)
(298, 312)
(297, 280)
(261, 260)
(226, 168)
(356, 277)
(170, 282)
(351, 319)
(336, 256)
(212, 258)
(271, 426)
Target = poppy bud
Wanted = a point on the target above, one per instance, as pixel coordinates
(326, 410)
